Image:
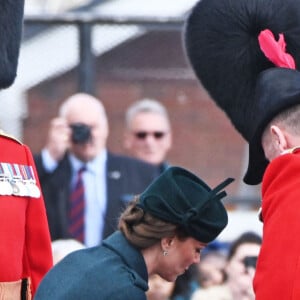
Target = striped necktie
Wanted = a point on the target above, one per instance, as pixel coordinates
(77, 205)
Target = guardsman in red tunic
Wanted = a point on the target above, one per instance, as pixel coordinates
(247, 56)
(25, 246)
(25, 249)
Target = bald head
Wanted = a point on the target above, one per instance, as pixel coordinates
(82, 102)
(88, 110)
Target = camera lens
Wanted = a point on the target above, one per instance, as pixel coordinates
(81, 133)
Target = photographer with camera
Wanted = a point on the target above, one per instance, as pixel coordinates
(84, 185)
(239, 271)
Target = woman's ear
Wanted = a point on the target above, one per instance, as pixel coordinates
(166, 243)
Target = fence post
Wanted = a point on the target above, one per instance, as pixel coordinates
(86, 69)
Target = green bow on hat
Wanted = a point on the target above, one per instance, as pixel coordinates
(180, 197)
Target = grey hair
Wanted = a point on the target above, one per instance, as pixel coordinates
(145, 105)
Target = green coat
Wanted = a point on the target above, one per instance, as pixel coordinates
(113, 271)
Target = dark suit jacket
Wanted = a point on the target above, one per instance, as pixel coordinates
(125, 177)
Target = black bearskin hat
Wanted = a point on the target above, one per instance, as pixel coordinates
(221, 42)
(11, 22)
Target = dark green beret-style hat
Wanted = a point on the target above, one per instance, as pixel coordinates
(180, 197)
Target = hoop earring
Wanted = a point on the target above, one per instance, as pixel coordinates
(165, 253)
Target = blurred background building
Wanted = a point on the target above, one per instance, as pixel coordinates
(122, 51)
(52, 6)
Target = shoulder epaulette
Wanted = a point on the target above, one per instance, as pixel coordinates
(2, 133)
(296, 150)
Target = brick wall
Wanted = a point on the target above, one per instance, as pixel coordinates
(204, 139)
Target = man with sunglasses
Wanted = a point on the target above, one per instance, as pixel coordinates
(148, 133)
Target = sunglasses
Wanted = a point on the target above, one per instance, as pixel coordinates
(142, 135)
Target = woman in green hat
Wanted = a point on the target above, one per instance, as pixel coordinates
(162, 231)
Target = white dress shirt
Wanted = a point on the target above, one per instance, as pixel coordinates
(94, 179)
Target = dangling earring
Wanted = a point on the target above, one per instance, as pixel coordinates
(165, 253)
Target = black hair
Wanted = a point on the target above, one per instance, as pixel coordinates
(248, 237)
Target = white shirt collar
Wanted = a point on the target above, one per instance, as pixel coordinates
(92, 165)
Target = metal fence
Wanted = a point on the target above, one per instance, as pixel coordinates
(85, 22)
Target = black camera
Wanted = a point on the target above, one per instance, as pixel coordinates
(81, 133)
(250, 261)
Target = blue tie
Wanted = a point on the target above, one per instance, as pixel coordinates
(77, 204)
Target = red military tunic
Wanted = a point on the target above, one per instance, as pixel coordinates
(278, 267)
(25, 245)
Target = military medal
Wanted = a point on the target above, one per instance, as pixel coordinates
(10, 186)
(35, 191)
(20, 170)
(18, 180)
(15, 188)
(5, 187)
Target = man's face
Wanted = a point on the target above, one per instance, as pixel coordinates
(92, 117)
(148, 137)
(239, 276)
